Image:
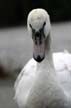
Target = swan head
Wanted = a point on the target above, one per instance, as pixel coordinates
(38, 23)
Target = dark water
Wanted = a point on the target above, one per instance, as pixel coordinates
(7, 94)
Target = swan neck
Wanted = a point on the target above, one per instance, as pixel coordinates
(47, 63)
(48, 45)
(48, 49)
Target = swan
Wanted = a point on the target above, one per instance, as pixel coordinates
(45, 81)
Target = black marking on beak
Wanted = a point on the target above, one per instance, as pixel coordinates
(38, 38)
(33, 30)
(39, 34)
(38, 58)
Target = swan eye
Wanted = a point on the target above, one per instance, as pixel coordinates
(33, 30)
(30, 25)
(44, 24)
(42, 27)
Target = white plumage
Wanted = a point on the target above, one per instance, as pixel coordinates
(46, 84)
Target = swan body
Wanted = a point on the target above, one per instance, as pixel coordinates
(45, 81)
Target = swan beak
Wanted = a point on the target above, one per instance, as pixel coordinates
(39, 48)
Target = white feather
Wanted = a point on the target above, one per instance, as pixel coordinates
(45, 84)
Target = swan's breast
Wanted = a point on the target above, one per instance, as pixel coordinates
(24, 82)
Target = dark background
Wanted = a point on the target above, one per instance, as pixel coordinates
(14, 12)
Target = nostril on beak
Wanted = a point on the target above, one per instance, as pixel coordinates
(38, 37)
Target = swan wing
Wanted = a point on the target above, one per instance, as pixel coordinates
(62, 61)
(62, 64)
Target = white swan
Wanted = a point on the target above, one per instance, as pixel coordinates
(44, 82)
